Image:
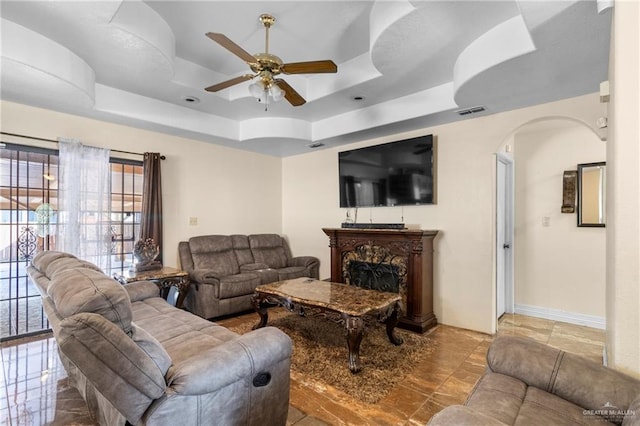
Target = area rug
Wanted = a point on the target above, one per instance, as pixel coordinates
(320, 352)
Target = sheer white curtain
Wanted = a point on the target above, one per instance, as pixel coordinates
(83, 202)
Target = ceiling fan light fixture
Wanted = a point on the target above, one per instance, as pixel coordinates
(256, 89)
(266, 91)
(276, 93)
(265, 67)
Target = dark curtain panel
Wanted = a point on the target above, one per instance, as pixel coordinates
(151, 220)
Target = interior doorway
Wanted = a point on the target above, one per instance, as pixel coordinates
(537, 245)
(504, 235)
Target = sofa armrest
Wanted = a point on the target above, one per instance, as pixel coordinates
(141, 290)
(204, 276)
(569, 376)
(239, 359)
(303, 261)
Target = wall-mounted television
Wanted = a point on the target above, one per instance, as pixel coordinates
(400, 173)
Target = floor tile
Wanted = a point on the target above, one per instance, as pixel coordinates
(35, 389)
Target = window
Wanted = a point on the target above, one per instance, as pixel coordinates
(28, 206)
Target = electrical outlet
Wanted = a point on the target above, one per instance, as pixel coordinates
(193, 221)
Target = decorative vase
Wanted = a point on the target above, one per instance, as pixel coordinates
(145, 252)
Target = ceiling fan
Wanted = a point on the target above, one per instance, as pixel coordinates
(266, 66)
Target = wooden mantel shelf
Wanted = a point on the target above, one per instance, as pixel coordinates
(414, 246)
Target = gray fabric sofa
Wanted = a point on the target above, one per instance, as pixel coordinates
(137, 359)
(529, 383)
(225, 270)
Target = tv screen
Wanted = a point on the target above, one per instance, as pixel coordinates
(400, 173)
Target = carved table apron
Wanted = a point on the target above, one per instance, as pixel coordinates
(348, 305)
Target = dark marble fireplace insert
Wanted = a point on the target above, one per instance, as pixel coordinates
(374, 276)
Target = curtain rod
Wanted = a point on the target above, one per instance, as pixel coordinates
(162, 157)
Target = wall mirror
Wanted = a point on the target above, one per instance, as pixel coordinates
(591, 194)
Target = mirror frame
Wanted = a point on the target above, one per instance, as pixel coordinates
(581, 167)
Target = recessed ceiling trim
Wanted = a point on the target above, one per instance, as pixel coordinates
(132, 106)
(47, 58)
(144, 23)
(424, 103)
(503, 42)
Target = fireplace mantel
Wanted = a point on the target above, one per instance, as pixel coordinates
(413, 248)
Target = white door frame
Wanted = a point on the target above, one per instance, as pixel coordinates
(504, 246)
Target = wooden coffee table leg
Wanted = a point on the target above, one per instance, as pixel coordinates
(391, 323)
(261, 309)
(355, 331)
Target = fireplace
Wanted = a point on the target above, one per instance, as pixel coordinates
(395, 260)
(373, 276)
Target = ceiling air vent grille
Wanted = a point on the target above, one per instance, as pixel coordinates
(471, 110)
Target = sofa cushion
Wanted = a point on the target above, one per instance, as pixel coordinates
(215, 253)
(242, 249)
(112, 362)
(498, 396)
(151, 347)
(42, 260)
(544, 408)
(266, 274)
(291, 272)
(85, 290)
(238, 285)
(269, 249)
(66, 263)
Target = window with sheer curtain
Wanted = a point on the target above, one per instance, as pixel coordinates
(84, 216)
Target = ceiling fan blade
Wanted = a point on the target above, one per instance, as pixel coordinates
(225, 42)
(290, 94)
(229, 83)
(311, 67)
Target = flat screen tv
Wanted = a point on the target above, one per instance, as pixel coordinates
(400, 173)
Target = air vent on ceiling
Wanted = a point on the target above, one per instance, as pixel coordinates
(316, 145)
(471, 110)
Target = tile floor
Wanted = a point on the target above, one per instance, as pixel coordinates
(34, 389)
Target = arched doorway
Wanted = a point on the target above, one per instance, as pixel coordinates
(558, 268)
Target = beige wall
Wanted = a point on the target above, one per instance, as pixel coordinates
(557, 264)
(232, 191)
(464, 271)
(623, 202)
(228, 190)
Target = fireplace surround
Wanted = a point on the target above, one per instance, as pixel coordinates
(401, 257)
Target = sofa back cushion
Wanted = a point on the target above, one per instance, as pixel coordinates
(242, 249)
(127, 372)
(50, 262)
(269, 249)
(215, 253)
(73, 291)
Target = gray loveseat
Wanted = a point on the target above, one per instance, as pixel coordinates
(529, 383)
(225, 270)
(137, 359)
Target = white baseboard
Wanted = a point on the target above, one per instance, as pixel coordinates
(563, 316)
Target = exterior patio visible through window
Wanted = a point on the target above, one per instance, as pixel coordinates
(28, 213)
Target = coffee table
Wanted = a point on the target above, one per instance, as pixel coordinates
(346, 304)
